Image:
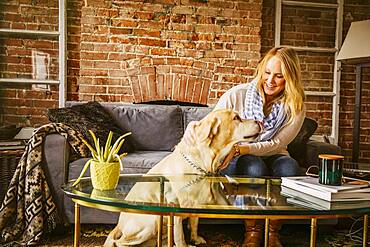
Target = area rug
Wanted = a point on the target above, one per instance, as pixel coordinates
(230, 235)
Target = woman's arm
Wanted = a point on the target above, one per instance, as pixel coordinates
(233, 99)
(278, 143)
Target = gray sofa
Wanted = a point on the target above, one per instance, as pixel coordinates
(156, 129)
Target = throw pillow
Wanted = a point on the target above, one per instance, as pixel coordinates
(91, 116)
(154, 127)
(297, 148)
(194, 114)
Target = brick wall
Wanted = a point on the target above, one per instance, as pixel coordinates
(192, 50)
(73, 47)
(188, 51)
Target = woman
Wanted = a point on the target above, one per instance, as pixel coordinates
(276, 99)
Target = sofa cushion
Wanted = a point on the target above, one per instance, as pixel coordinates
(142, 161)
(139, 162)
(90, 116)
(154, 127)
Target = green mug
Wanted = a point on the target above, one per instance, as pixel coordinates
(330, 169)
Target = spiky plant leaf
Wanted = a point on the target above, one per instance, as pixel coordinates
(104, 154)
(82, 172)
(107, 144)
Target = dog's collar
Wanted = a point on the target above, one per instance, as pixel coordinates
(198, 179)
(192, 164)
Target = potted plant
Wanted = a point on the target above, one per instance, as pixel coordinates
(105, 164)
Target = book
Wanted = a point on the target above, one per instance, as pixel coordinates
(330, 206)
(306, 200)
(15, 147)
(312, 187)
(313, 182)
(11, 142)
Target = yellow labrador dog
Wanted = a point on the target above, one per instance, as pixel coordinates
(215, 136)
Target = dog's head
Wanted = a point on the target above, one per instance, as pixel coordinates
(221, 129)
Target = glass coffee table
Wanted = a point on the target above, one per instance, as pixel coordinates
(220, 197)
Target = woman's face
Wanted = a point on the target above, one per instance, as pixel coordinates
(274, 82)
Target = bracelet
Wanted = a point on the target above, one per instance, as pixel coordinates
(237, 150)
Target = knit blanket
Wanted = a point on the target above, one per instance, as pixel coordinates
(28, 210)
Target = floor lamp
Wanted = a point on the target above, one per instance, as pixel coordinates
(356, 50)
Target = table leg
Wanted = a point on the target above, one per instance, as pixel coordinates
(160, 227)
(160, 230)
(267, 222)
(77, 226)
(366, 221)
(313, 232)
(170, 230)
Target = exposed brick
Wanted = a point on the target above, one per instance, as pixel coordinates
(94, 56)
(147, 33)
(216, 54)
(152, 42)
(205, 37)
(182, 27)
(176, 87)
(162, 51)
(205, 91)
(185, 10)
(197, 91)
(119, 90)
(208, 28)
(120, 31)
(207, 11)
(107, 65)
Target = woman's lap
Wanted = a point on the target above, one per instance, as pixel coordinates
(255, 166)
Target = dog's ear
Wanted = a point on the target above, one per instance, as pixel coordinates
(208, 128)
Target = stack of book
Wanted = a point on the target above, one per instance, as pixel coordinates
(13, 144)
(308, 192)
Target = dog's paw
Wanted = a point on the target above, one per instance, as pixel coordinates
(198, 240)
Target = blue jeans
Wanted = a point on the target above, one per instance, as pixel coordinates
(255, 166)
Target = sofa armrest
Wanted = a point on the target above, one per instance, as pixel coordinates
(315, 148)
(56, 154)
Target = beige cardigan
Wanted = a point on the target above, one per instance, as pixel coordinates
(234, 99)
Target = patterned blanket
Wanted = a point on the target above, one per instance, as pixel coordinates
(28, 210)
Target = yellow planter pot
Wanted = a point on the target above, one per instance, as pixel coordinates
(104, 176)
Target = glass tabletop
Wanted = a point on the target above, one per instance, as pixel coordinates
(203, 195)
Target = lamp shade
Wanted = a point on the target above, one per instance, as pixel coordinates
(356, 46)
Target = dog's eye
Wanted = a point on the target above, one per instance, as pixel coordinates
(237, 117)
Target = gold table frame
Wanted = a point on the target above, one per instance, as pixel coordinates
(171, 215)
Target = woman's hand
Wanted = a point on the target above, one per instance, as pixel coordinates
(189, 134)
(235, 151)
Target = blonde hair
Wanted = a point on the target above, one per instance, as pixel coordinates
(293, 96)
